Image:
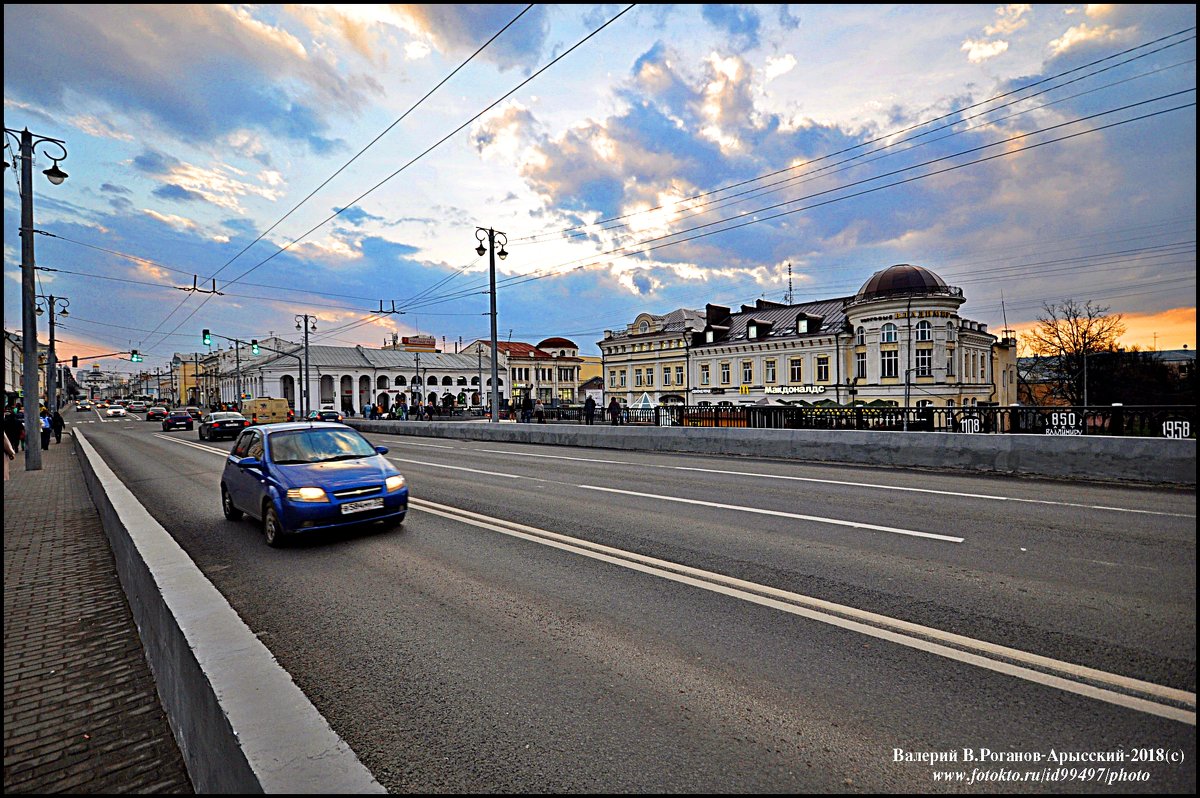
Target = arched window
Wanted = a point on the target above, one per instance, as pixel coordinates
(381, 382)
(888, 334)
(949, 331)
(924, 331)
(644, 327)
(400, 380)
(447, 381)
(474, 380)
(860, 337)
(462, 380)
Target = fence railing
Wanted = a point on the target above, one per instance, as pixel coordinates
(1169, 421)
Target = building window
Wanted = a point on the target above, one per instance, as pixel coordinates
(801, 325)
(860, 337)
(888, 333)
(949, 361)
(637, 378)
(769, 374)
(644, 327)
(679, 375)
(650, 377)
(622, 378)
(795, 372)
(612, 379)
(725, 373)
(666, 376)
(704, 374)
(752, 330)
(889, 364)
(922, 403)
(860, 365)
(747, 372)
(924, 362)
(822, 368)
(924, 331)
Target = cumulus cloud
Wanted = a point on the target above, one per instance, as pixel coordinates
(1081, 34)
(742, 23)
(979, 51)
(1009, 19)
(143, 63)
(462, 28)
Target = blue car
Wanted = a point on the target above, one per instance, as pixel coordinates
(305, 477)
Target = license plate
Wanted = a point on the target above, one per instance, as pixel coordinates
(365, 504)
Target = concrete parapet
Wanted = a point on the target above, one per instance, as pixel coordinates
(1159, 461)
(242, 724)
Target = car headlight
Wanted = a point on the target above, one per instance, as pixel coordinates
(394, 484)
(307, 495)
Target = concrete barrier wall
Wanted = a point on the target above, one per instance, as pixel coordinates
(242, 724)
(1159, 461)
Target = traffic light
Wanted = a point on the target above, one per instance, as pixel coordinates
(74, 361)
(207, 338)
(254, 346)
(134, 357)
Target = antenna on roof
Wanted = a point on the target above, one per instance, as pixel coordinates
(787, 298)
(1008, 333)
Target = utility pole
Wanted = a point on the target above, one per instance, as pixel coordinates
(481, 250)
(29, 375)
(306, 322)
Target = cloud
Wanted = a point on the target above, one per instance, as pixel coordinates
(979, 51)
(742, 23)
(461, 28)
(173, 192)
(221, 185)
(1009, 19)
(1082, 34)
(145, 63)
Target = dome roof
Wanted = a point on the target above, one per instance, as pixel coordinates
(902, 279)
(557, 343)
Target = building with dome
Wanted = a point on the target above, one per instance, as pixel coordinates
(899, 340)
(549, 370)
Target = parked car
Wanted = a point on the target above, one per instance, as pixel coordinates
(304, 477)
(194, 412)
(223, 424)
(156, 413)
(325, 415)
(177, 419)
(114, 411)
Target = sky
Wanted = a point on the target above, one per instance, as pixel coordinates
(336, 160)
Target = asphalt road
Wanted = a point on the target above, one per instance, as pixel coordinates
(493, 644)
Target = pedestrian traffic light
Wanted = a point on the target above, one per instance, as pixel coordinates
(74, 361)
(254, 346)
(207, 338)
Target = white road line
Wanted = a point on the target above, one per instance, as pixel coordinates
(429, 445)
(458, 468)
(201, 447)
(873, 485)
(855, 620)
(988, 496)
(815, 518)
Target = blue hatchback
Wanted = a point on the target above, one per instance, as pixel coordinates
(303, 477)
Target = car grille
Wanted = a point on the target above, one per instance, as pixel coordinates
(358, 493)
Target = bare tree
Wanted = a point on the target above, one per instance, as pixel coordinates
(1066, 334)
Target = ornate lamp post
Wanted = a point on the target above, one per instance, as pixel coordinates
(52, 305)
(308, 324)
(491, 236)
(29, 378)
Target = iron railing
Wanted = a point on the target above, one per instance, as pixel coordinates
(1164, 421)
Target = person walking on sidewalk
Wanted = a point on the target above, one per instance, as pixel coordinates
(14, 428)
(614, 410)
(47, 429)
(57, 423)
(9, 454)
(589, 409)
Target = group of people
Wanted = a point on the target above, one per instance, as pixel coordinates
(50, 425)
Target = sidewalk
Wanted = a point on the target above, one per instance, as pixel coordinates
(81, 713)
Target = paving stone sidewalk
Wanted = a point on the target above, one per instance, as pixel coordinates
(81, 713)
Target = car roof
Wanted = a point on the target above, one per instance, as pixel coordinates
(285, 426)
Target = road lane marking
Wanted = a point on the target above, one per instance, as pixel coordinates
(949, 645)
(816, 518)
(876, 486)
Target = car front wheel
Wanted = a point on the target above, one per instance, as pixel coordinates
(231, 512)
(272, 528)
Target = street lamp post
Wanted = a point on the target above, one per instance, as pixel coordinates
(306, 323)
(52, 304)
(687, 365)
(29, 377)
(491, 236)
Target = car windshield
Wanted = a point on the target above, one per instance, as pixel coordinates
(318, 446)
(227, 417)
(179, 415)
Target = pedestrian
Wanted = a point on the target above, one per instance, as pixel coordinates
(9, 454)
(47, 429)
(540, 411)
(526, 409)
(14, 426)
(614, 410)
(57, 423)
(589, 409)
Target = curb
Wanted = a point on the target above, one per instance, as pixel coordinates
(242, 724)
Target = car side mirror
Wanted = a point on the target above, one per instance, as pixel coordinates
(249, 462)
(381, 449)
